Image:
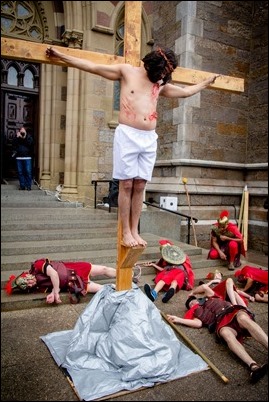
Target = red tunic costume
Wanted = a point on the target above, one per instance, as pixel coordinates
(258, 275)
(221, 312)
(81, 268)
(182, 274)
(221, 291)
(231, 248)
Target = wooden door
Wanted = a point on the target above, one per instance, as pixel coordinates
(18, 110)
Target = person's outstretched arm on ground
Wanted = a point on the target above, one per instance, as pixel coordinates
(54, 296)
(192, 323)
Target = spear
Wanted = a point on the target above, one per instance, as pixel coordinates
(184, 181)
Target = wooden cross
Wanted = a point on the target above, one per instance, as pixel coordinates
(36, 52)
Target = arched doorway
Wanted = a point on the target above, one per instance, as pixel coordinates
(19, 106)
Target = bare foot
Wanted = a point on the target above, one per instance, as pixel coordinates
(139, 240)
(129, 241)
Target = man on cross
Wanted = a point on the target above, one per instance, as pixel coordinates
(135, 140)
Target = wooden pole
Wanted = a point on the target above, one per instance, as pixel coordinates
(241, 211)
(184, 180)
(128, 256)
(195, 348)
(245, 219)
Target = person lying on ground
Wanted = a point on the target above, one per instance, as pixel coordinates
(254, 281)
(221, 287)
(57, 276)
(175, 272)
(232, 323)
(226, 290)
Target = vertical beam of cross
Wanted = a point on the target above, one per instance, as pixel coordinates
(127, 257)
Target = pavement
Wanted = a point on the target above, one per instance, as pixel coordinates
(29, 372)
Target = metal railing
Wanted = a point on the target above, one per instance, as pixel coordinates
(189, 218)
(95, 183)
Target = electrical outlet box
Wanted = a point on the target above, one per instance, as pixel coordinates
(169, 203)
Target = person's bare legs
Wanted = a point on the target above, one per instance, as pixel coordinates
(253, 328)
(229, 335)
(124, 203)
(159, 286)
(130, 201)
(136, 208)
(103, 270)
(93, 287)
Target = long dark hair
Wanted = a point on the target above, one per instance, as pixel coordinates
(160, 64)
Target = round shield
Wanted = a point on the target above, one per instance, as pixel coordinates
(173, 254)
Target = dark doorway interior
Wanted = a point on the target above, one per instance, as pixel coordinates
(19, 111)
(19, 107)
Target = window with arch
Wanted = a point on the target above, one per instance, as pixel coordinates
(20, 18)
(119, 48)
(28, 81)
(12, 76)
(20, 74)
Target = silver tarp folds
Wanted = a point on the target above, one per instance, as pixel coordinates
(120, 342)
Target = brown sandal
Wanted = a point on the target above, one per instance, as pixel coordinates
(257, 372)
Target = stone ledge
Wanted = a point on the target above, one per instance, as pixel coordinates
(174, 185)
(211, 164)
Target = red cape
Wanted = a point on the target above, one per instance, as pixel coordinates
(254, 273)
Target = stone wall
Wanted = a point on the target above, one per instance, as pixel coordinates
(218, 140)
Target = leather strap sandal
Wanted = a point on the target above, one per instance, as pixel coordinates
(257, 372)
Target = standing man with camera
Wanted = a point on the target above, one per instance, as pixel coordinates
(23, 150)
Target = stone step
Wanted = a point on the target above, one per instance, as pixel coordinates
(64, 214)
(60, 246)
(47, 225)
(57, 234)
(57, 246)
(33, 228)
(98, 255)
(42, 204)
(11, 197)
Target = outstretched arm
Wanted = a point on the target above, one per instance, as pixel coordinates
(246, 295)
(203, 289)
(233, 293)
(111, 72)
(174, 91)
(248, 285)
(194, 323)
(153, 264)
(55, 280)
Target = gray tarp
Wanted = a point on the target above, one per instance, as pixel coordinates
(120, 342)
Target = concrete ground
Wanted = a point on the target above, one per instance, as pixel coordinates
(29, 373)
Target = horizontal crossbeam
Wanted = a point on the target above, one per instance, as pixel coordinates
(12, 48)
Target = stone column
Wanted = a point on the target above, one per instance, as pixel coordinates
(45, 128)
(74, 40)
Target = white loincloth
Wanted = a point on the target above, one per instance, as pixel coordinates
(134, 153)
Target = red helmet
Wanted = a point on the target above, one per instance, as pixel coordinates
(24, 281)
(163, 242)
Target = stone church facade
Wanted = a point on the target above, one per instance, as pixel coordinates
(216, 139)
